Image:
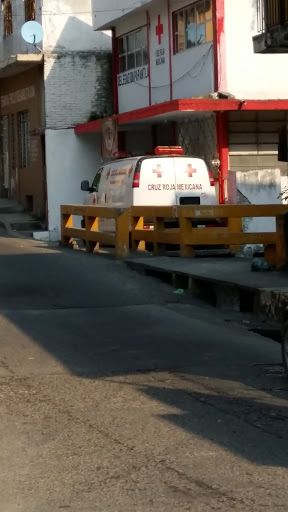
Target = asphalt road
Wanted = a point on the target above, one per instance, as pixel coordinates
(118, 395)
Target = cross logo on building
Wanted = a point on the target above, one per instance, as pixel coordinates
(159, 29)
(158, 171)
(190, 171)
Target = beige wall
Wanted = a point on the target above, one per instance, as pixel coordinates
(23, 92)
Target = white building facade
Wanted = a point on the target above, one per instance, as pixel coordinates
(185, 72)
(156, 62)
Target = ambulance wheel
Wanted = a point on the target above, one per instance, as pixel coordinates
(284, 348)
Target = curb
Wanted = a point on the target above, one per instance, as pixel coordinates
(265, 303)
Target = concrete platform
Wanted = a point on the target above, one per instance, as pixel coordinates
(227, 283)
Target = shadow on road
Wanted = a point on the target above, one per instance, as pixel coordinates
(99, 320)
(246, 428)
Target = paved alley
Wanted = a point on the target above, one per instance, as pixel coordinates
(118, 395)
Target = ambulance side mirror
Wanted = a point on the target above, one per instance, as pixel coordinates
(85, 186)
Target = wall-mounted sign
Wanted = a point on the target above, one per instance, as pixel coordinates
(109, 138)
(159, 30)
(133, 76)
(18, 96)
(160, 56)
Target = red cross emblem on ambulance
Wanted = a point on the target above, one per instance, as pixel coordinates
(130, 171)
(108, 174)
(158, 171)
(190, 171)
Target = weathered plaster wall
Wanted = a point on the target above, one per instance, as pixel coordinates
(78, 65)
(259, 187)
(77, 85)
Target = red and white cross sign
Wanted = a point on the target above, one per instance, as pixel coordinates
(158, 171)
(190, 171)
(159, 29)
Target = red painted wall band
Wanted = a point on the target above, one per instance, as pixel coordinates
(215, 48)
(114, 70)
(218, 7)
(223, 152)
(170, 49)
(218, 10)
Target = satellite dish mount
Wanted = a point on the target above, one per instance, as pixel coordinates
(32, 33)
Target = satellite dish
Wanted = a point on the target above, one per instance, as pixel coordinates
(32, 32)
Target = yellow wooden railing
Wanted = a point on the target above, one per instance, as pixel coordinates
(133, 222)
(91, 234)
(189, 237)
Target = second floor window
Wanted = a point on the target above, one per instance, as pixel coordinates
(276, 12)
(193, 25)
(132, 50)
(7, 17)
(12, 136)
(29, 10)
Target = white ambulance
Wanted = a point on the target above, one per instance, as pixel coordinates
(165, 179)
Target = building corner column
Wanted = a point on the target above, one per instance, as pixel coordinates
(223, 153)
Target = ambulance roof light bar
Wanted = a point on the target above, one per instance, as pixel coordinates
(169, 150)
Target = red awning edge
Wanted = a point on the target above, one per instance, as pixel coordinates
(187, 105)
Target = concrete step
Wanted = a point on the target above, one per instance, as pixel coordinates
(29, 226)
(10, 206)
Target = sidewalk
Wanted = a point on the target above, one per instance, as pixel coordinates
(227, 283)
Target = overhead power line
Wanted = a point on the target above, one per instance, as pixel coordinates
(50, 13)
